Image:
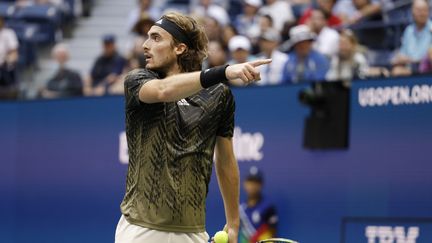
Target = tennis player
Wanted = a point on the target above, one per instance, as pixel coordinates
(177, 117)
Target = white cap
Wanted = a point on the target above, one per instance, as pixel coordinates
(239, 42)
(255, 3)
(301, 33)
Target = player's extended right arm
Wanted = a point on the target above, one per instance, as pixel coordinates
(179, 86)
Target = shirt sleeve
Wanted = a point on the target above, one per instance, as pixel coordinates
(226, 126)
(134, 80)
(12, 41)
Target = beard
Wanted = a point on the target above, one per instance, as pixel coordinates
(165, 68)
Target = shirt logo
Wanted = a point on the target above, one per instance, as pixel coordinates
(183, 102)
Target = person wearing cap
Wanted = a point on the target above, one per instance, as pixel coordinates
(240, 49)
(269, 43)
(258, 216)
(304, 63)
(106, 69)
(248, 20)
(178, 117)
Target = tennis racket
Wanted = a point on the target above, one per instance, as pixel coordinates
(277, 240)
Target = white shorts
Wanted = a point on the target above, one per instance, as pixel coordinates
(129, 233)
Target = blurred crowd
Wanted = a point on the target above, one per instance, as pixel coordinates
(308, 40)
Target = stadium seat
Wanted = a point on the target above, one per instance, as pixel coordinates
(27, 35)
(7, 9)
(47, 17)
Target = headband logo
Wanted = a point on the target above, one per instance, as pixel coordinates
(159, 21)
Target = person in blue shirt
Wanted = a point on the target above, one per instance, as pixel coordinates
(416, 40)
(304, 63)
(258, 218)
(106, 70)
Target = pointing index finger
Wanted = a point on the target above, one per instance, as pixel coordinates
(260, 62)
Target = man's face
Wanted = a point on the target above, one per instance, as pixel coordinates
(252, 188)
(267, 46)
(249, 9)
(420, 12)
(160, 53)
(61, 56)
(109, 48)
(326, 5)
(216, 54)
(303, 48)
(318, 20)
(240, 55)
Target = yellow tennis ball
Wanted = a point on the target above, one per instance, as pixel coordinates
(221, 237)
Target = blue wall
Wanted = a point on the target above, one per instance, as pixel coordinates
(61, 179)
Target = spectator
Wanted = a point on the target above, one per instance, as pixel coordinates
(145, 7)
(216, 55)
(240, 51)
(272, 73)
(279, 10)
(212, 29)
(8, 61)
(304, 63)
(143, 25)
(349, 62)
(416, 40)
(426, 63)
(327, 39)
(248, 20)
(265, 22)
(106, 69)
(240, 47)
(228, 32)
(65, 82)
(207, 8)
(258, 217)
(327, 7)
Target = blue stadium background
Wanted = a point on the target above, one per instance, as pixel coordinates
(61, 179)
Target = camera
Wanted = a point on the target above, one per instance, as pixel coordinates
(327, 125)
